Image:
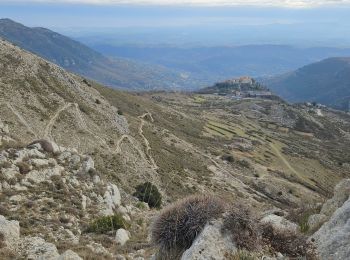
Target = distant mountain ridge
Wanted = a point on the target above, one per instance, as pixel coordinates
(217, 63)
(80, 59)
(326, 82)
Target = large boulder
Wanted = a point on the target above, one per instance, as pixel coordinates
(333, 238)
(210, 244)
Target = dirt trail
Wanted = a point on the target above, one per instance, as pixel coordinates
(21, 119)
(48, 128)
(147, 144)
(84, 126)
(284, 160)
(118, 150)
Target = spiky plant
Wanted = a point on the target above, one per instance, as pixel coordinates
(177, 226)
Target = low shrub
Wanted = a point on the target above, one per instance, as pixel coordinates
(289, 243)
(107, 223)
(244, 163)
(45, 145)
(149, 193)
(228, 158)
(24, 167)
(177, 226)
(248, 234)
(243, 228)
(2, 240)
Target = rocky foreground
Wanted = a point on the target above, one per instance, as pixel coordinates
(50, 195)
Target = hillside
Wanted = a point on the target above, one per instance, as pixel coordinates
(326, 82)
(80, 59)
(63, 193)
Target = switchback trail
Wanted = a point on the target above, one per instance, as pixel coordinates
(48, 128)
(148, 147)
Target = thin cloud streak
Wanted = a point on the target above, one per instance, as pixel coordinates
(277, 3)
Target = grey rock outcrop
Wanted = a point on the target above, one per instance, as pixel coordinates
(333, 238)
(341, 194)
(10, 231)
(279, 222)
(211, 244)
(38, 248)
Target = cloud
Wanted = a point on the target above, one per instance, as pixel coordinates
(279, 3)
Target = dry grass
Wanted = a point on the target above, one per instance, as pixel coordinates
(177, 226)
(243, 227)
(249, 235)
(287, 242)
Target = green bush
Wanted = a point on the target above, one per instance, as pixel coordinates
(149, 193)
(107, 223)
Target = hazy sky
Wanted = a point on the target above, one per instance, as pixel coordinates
(319, 22)
(283, 3)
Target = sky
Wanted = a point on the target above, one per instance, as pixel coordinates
(281, 3)
(218, 22)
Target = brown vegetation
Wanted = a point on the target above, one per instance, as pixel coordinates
(178, 225)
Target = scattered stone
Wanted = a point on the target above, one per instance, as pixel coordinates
(121, 236)
(69, 255)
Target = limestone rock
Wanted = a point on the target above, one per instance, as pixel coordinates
(98, 249)
(39, 162)
(112, 199)
(279, 222)
(88, 164)
(10, 230)
(333, 238)
(69, 255)
(210, 244)
(121, 236)
(341, 194)
(38, 176)
(38, 248)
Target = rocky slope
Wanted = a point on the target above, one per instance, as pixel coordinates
(101, 143)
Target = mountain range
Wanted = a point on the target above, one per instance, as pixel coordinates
(78, 58)
(326, 82)
(215, 64)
